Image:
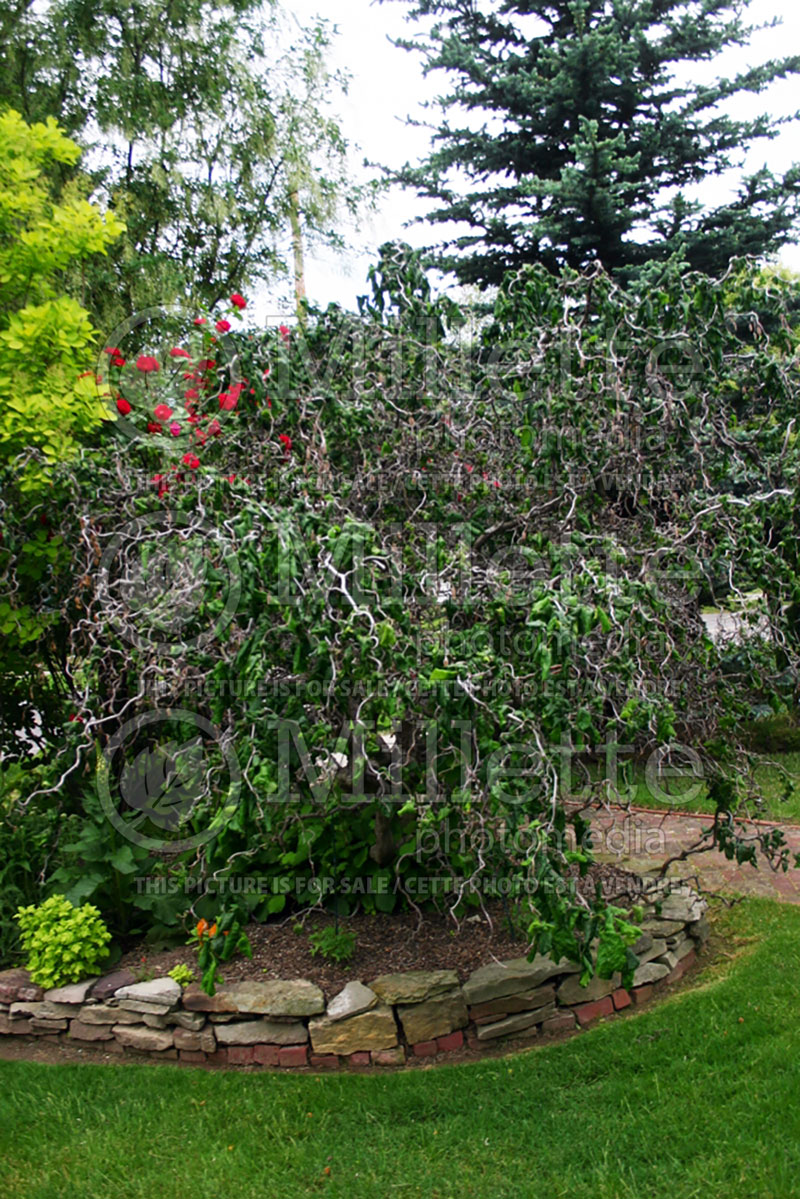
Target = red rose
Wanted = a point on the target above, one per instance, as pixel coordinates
(117, 360)
(146, 364)
(154, 427)
(191, 460)
(191, 394)
(228, 402)
(286, 442)
(200, 320)
(284, 332)
(176, 352)
(175, 429)
(123, 407)
(222, 326)
(238, 301)
(215, 428)
(162, 412)
(111, 350)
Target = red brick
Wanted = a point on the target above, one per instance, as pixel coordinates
(561, 1022)
(220, 1058)
(586, 1013)
(266, 1055)
(683, 965)
(621, 999)
(240, 1055)
(192, 1055)
(324, 1061)
(362, 1058)
(293, 1055)
(425, 1048)
(454, 1041)
(642, 994)
(389, 1057)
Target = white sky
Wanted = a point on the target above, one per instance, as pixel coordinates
(387, 85)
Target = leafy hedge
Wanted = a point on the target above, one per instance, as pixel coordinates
(442, 569)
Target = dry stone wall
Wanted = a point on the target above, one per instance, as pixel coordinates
(394, 1017)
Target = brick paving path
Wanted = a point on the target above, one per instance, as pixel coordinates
(642, 839)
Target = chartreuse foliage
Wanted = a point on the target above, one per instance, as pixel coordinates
(48, 398)
(63, 943)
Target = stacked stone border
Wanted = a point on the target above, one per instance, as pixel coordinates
(391, 1020)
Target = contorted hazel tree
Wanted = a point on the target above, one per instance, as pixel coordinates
(573, 131)
(423, 588)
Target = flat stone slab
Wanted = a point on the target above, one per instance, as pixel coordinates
(109, 984)
(90, 1032)
(10, 982)
(147, 1040)
(284, 997)
(509, 978)
(261, 1032)
(145, 1009)
(195, 1042)
(375, 1029)
(414, 985)
(436, 1017)
(49, 1025)
(517, 1023)
(663, 928)
(195, 1000)
(508, 1005)
(23, 1008)
(571, 991)
(59, 1011)
(74, 993)
(103, 1013)
(193, 1021)
(159, 996)
(650, 972)
(352, 1000)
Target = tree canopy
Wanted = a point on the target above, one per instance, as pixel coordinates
(207, 129)
(573, 132)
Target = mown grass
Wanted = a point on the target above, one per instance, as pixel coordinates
(691, 795)
(696, 1096)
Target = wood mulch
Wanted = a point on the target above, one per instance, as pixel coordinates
(383, 944)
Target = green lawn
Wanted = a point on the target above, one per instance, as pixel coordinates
(696, 1096)
(770, 779)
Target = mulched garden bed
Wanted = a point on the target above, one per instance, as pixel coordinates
(384, 944)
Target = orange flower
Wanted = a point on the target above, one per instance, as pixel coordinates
(202, 925)
(212, 932)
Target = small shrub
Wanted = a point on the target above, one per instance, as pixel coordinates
(182, 975)
(64, 944)
(336, 944)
